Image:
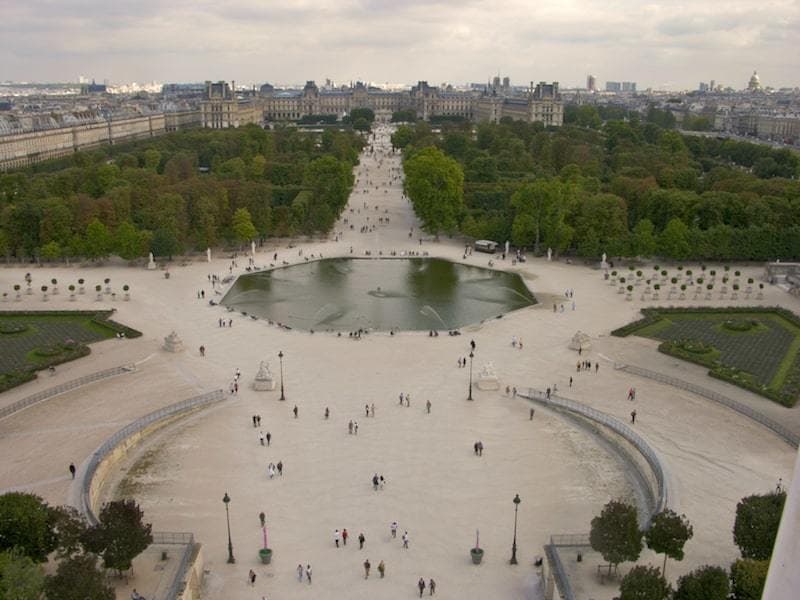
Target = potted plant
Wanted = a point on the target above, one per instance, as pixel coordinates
(99, 289)
(477, 552)
(44, 293)
(126, 288)
(80, 283)
(630, 290)
(107, 281)
(54, 281)
(71, 291)
(16, 289)
(265, 553)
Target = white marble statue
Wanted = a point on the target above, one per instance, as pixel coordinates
(487, 378)
(252, 248)
(549, 254)
(151, 264)
(208, 254)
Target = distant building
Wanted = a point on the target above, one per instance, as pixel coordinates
(702, 87)
(93, 88)
(754, 85)
(591, 83)
(221, 109)
(613, 86)
(629, 86)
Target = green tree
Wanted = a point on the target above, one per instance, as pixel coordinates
(78, 578)
(50, 251)
(402, 137)
(644, 583)
(756, 524)
(435, 185)
(28, 524)
(748, 577)
(644, 239)
(120, 536)
(152, 159)
(705, 583)
(164, 243)
(20, 577)
(97, 241)
(129, 242)
(546, 201)
(362, 113)
(667, 535)
(674, 240)
(243, 227)
(615, 533)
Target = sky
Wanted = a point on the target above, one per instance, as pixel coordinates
(659, 44)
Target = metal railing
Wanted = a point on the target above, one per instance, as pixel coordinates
(582, 539)
(63, 388)
(618, 427)
(159, 537)
(789, 436)
(136, 426)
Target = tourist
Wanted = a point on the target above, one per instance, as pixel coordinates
(295, 410)
(280, 468)
(308, 574)
(336, 536)
(252, 577)
(428, 406)
(271, 470)
(263, 518)
(401, 398)
(202, 350)
(350, 427)
(480, 448)
(327, 412)
(421, 586)
(533, 410)
(355, 427)
(72, 469)
(261, 437)
(570, 382)
(375, 482)
(633, 416)
(372, 408)
(366, 569)
(405, 539)
(344, 537)
(299, 572)
(432, 586)
(269, 437)
(381, 569)
(366, 409)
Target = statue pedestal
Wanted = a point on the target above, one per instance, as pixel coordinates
(263, 381)
(151, 265)
(172, 343)
(487, 379)
(580, 341)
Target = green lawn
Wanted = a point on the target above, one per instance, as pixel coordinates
(755, 348)
(34, 340)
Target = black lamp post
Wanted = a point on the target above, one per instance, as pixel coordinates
(471, 354)
(226, 499)
(513, 560)
(280, 357)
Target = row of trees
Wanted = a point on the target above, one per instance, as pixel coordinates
(616, 535)
(624, 188)
(192, 189)
(31, 532)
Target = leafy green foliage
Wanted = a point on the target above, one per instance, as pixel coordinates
(615, 533)
(435, 186)
(27, 524)
(20, 577)
(243, 226)
(756, 525)
(667, 535)
(748, 577)
(705, 583)
(644, 583)
(120, 536)
(78, 578)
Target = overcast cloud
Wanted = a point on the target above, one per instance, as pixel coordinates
(660, 44)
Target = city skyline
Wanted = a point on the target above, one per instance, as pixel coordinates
(663, 45)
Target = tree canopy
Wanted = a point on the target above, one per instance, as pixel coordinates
(705, 583)
(27, 524)
(644, 583)
(615, 533)
(756, 524)
(120, 536)
(434, 184)
(667, 535)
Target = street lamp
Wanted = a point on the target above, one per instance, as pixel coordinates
(513, 560)
(226, 499)
(471, 354)
(280, 357)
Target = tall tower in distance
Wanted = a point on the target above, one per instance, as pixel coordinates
(591, 83)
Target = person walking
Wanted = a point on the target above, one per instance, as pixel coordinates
(72, 469)
(393, 529)
(327, 412)
(299, 572)
(269, 437)
(361, 540)
(382, 569)
(366, 569)
(533, 410)
(421, 586)
(261, 437)
(428, 406)
(350, 427)
(280, 467)
(432, 586)
(295, 410)
(633, 416)
(355, 427)
(336, 536)
(308, 574)
(405, 540)
(372, 408)
(252, 577)
(375, 482)
(366, 409)
(263, 518)
(344, 537)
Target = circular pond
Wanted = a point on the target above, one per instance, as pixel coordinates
(344, 294)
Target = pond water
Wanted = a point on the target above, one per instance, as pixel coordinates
(345, 294)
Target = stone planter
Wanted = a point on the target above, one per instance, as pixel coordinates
(265, 554)
(477, 555)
